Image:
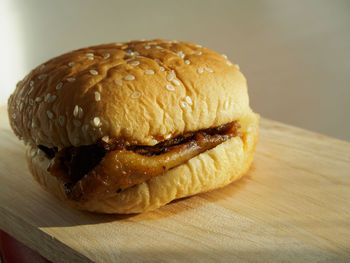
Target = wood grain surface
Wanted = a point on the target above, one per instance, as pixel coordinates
(292, 206)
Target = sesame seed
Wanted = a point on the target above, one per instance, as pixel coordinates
(176, 82)
(105, 138)
(199, 53)
(33, 152)
(161, 68)
(170, 76)
(159, 47)
(31, 83)
(200, 70)
(61, 120)
(96, 122)
(208, 69)
(188, 100)
(42, 76)
(237, 66)
(78, 112)
(131, 53)
(13, 115)
(97, 96)
(30, 90)
(180, 54)
(33, 125)
(51, 98)
(136, 95)
(38, 99)
(118, 82)
(187, 62)
(224, 56)
(229, 63)
(59, 85)
(21, 106)
(31, 102)
(183, 104)
(149, 72)
(71, 64)
(157, 60)
(170, 87)
(71, 79)
(107, 55)
(47, 97)
(89, 54)
(93, 72)
(135, 63)
(168, 136)
(42, 67)
(49, 114)
(76, 123)
(147, 47)
(129, 77)
(90, 58)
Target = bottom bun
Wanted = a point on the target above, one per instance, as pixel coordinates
(209, 170)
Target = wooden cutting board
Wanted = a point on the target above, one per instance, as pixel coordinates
(292, 206)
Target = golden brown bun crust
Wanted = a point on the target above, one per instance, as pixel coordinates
(210, 170)
(127, 90)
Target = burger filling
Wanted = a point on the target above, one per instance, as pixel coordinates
(110, 166)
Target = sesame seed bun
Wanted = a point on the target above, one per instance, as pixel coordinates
(144, 92)
(127, 90)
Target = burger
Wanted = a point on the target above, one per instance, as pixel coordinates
(129, 127)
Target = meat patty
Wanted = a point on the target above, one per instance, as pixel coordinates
(101, 170)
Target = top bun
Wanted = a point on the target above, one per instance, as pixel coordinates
(141, 91)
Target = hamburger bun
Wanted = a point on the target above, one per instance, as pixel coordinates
(143, 92)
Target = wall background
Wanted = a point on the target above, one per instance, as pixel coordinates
(295, 54)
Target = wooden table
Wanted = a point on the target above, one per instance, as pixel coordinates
(292, 206)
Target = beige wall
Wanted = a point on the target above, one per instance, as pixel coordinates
(295, 54)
